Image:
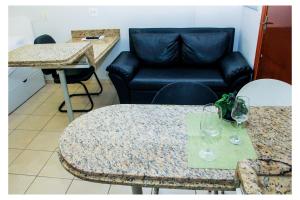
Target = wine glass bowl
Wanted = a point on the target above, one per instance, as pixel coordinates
(210, 127)
(239, 113)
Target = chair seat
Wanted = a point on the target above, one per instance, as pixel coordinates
(156, 78)
(76, 75)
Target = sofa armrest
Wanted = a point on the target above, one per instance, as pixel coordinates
(125, 65)
(234, 66)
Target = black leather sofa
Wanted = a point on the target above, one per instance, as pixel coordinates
(159, 56)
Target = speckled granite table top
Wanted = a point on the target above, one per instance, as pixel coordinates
(145, 145)
(264, 177)
(66, 55)
(272, 172)
(59, 54)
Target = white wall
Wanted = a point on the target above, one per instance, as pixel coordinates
(249, 33)
(220, 16)
(58, 21)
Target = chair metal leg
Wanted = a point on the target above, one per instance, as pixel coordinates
(87, 93)
(83, 94)
(156, 190)
(99, 83)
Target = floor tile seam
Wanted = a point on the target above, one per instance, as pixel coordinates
(42, 127)
(38, 173)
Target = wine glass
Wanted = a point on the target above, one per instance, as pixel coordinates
(210, 127)
(239, 113)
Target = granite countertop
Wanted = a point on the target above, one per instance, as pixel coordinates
(52, 55)
(272, 172)
(100, 47)
(152, 153)
(265, 177)
(68, 54)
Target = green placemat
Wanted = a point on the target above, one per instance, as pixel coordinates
(227, 154)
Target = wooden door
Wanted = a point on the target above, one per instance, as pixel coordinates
(274, 47)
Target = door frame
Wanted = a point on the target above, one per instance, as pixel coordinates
(264, 14)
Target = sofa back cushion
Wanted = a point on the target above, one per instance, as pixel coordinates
(203, 48)
(156, 48)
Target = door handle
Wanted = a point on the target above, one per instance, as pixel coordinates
(265, 23)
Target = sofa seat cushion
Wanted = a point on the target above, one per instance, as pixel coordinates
(156, 48)
(156, 78)
(203, 48)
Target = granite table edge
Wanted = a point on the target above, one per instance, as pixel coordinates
(54, 64)
(172, 183)
(251, 172)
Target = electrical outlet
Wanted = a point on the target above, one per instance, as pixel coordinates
(93, 12)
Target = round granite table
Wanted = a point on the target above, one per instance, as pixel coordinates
(144, 146)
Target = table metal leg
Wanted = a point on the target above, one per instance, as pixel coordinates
(156, 190)
(63, 83)
(137, 190)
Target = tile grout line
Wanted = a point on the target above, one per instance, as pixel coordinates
(38, 173)
(66, 192)
(16, 125)
(39, 102)
(109, 189)
(42, 126)
(51, 93)
(37, 134)
(22, 149)
(29, 144)
(15, 157)
(20, 174)
(42, 102)
(39, 131)
(32, 149)
(41, 176)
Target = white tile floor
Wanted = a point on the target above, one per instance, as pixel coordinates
(34, 129)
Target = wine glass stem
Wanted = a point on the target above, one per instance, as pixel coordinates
(238, 128)
(238, 125)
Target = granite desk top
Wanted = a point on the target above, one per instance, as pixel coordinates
(100, 47)
(60, 54)
(144, 145)
(66, 55)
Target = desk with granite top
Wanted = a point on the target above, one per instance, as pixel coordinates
(73, 54)
(144, 146)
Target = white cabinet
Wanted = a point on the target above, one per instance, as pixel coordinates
(23, 82)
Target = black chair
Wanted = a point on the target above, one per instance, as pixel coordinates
(73, 76)
(185, 93)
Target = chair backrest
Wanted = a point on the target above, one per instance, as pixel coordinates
(45, 39)
(267, 92)
(185, 93)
